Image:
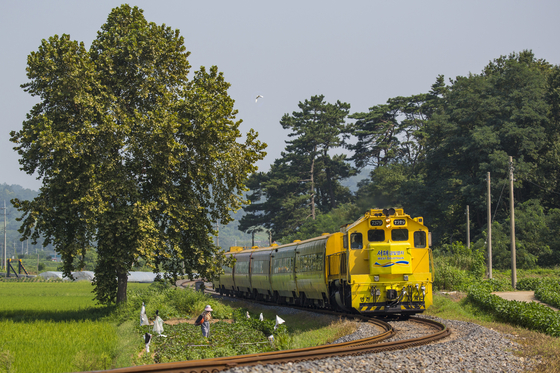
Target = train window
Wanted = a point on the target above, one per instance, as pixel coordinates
(420, 239)
(376, 235)
(227, 269)
(399, 235)
(282, 265)
(242, 267)
(310, 262)
(258, 266)
(356, 241)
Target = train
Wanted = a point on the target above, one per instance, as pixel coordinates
(379, 265)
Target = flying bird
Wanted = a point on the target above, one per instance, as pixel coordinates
(257, 99)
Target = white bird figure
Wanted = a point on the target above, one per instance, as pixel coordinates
(147, 340)
(271, 339)
(143, 318)
(261, 318)
(248, 316)
(158, 325)
(279, 321)
(257, 99)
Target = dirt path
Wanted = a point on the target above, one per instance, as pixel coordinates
(522, 296)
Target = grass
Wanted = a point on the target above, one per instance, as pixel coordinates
(305, 329)
(48, 346)
(58, 327)
(534, 345)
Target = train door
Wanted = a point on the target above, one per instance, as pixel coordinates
(358, 252)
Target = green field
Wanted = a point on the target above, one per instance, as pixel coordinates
(55, 327)
(48, 326)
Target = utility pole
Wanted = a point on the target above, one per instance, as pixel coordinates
(468, 229)
(489, 238)
(512, 225)
(5, 248)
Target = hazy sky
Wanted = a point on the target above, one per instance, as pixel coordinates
(360, 52)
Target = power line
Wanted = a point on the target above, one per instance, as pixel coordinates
(548, 190)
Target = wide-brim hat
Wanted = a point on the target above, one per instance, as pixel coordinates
(208, 308)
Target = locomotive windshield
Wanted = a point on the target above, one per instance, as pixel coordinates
(399, 235)
(376, 235)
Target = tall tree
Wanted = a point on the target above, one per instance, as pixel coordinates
(393, 132)
(135, 159)
(317, 129)
(484, 119)
(306, 179)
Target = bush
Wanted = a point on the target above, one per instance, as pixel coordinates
(457, 267)
(531, 315)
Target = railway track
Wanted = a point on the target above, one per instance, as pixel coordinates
(358, 347)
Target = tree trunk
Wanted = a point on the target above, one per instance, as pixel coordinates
(331, 190)
(122, 281)
(313, 188)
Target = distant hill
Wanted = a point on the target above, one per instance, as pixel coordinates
(14, 245)
(229, 235)
(352, 182)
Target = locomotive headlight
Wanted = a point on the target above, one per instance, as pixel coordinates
(375, 278)
(405, 277)
(388, 226)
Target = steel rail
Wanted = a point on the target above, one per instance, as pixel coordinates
(357, 347)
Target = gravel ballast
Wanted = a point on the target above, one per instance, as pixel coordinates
(470, 348)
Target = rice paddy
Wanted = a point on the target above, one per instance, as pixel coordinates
(54, 327)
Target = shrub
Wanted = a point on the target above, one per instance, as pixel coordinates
(531, 315)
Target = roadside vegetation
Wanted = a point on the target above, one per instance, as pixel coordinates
(463, 292)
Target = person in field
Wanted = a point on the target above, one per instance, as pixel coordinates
(204, 321)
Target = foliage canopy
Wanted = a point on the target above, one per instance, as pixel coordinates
(135, 158)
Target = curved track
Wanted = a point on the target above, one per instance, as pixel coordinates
(357, 347)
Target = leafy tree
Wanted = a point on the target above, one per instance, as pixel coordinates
(329, 222)
(306, 179)
(484, 119)
(317, 129)
(530, 241)
(135, 159)
(392, 138)
(279, 201)
(552, 239)
(393, 132)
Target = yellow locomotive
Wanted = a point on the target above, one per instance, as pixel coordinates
(379, 265)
